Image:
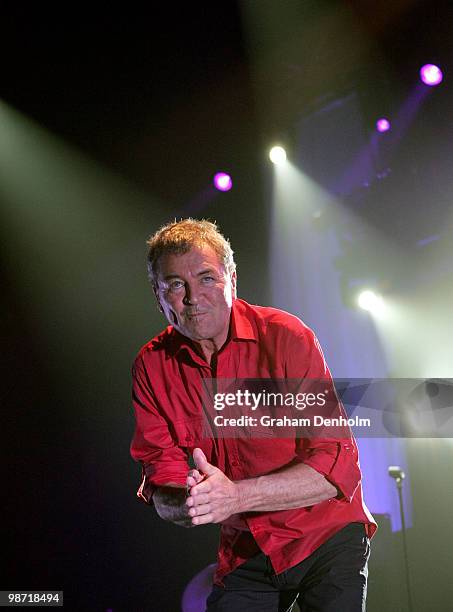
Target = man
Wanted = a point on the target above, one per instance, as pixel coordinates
(291, 509)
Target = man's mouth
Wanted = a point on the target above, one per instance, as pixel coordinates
(195, 315)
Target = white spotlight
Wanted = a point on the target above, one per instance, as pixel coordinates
(277, 155)
(368, 300)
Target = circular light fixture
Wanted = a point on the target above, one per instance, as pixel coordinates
(431, 75)
(223, 181)
(277, 155)
(382, 125)
(369, 300)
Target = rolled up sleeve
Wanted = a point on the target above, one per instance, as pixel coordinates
(163, 462)
(337, 461)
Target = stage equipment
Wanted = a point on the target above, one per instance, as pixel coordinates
(397, 473)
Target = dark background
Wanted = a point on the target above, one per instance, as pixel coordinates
(113, 122)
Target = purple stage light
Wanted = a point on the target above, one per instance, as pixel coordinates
(382, 125)
(222, 181)
(431, 75)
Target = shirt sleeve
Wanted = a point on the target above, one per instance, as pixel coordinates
(337, 461)
(335, 457)
(162, 461)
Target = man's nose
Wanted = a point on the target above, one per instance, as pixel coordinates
(191, 295)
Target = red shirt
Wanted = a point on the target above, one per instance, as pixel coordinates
(167, 397)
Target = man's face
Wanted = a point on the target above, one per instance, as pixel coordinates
(196, 293)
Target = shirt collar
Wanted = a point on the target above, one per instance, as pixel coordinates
(241, 326)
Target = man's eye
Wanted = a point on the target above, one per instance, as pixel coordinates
(177, 284)
(208, 279)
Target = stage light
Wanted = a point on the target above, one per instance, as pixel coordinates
(222, 181)
(382, 125)
(277, 155)
(431, 74)
(368, 300)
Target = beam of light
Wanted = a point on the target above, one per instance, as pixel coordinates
(67, 229)
(431, 75)
(370, 151)
(382, 125)
(223, 181)
(422, 319)
(371, 301)
(277, 155)
(306, 282)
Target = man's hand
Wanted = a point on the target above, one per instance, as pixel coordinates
(213, 497)
(170, 504)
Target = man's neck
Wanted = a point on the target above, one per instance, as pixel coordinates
(209, 350)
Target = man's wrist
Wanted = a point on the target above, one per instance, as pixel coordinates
(243, 495)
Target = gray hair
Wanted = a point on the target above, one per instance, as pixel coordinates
(179, 237)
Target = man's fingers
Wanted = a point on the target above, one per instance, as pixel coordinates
(193, 478)
(203, 520)
(202, 463)
(191, 482)
(197, 500)
(195, 474)
(202, 487)
(200, 510)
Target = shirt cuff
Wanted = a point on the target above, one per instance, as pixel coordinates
(154, 477)
(338, 463)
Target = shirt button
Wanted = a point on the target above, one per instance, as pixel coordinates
(235, 463)
(188, 437)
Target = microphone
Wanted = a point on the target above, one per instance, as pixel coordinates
(396, 472)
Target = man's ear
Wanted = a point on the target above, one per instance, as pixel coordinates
(233, 283)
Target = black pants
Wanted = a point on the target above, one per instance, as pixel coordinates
(332, 579)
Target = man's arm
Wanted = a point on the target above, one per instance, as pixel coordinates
(217, 497)
(294, 487)
(164, 463)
